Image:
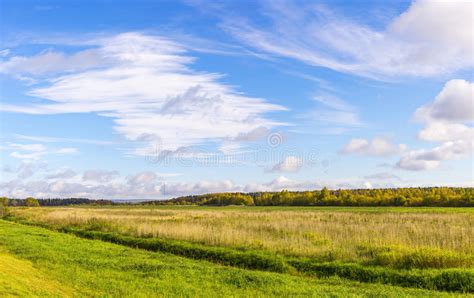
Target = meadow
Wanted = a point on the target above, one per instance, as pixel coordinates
(438, 240)
(38, 262)
(429, 248)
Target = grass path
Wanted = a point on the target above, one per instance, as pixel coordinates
(32, 257)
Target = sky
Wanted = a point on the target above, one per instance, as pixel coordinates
(156, 99)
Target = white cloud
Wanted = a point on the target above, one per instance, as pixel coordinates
(333, 112)
(412, 163)
(145, 84)
(382, 176)
(145, 186)
(4, 53)
(445, 131)
(377, 147)
(289, 164)
(100, 176)
(253, 135)
(62, 174)
(418, 160)
(27, 151)
(66, 150)
(28, 147)
(32, 156)
(447, 121)
(26, 169)
(454, 103)
(142, 178)
(148, 185)
(230, 148)
(446, 25)
(431, 38)
(201, 187)
(35, 151)
(52, 62)
(45, 139)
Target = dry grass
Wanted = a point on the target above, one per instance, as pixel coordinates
(328, 235)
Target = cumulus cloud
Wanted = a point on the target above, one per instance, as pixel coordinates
(430, 38)
(26, 169)
(142, 178)
(447, 121)
(418, 160)
(454, 103)
(435, 131)
(201, 187)
(145, 84)
(377, 147)
(289, 164)
(146, 185)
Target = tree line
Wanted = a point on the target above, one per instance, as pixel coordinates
(415, 196)
(427, 196)
(33, 202)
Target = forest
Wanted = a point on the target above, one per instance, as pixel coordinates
(409, 197)
(33, 202)
(428, 196)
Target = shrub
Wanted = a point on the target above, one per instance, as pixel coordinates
(460, 280)
(31, 202)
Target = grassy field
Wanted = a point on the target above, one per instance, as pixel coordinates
(413, 247)
(437, 239)
(38, 262)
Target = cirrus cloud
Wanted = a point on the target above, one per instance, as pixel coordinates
(145, 84)
(430, 38)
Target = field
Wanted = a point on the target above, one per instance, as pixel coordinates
(184, 250)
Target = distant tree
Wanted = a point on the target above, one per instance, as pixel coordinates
(325, 196)
(3, 206)
(31, 202)
(3, 201)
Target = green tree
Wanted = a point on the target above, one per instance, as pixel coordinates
(325, 195)
(32, 202)
(3, 206)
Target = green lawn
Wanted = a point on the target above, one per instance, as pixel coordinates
(37, 261)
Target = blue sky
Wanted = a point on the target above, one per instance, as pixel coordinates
(156, 99)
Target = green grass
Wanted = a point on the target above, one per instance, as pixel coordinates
(32, 256)
(368, 236)
(460, 280)
(21, 278)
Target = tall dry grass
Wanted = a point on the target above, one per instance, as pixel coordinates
(383, 238)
